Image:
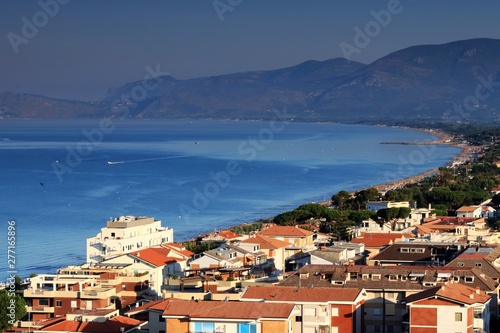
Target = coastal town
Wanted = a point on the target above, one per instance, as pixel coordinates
(413, 271)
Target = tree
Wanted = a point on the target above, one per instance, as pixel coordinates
(341, 199)
(392, 215)
(361, 197)
(12, 308)
(496, 199)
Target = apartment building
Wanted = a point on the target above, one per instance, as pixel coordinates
(127, 234)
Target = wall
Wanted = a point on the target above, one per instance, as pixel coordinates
(175, 325)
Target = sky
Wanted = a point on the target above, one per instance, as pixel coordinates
(78, 49)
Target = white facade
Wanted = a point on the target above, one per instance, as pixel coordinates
(377, 205)
(127, 234)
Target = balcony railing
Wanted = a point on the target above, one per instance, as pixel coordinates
(40, 309)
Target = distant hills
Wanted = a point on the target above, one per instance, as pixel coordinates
(458, 81)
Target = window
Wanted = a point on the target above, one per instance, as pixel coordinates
(247, 328)
(404, 250)
(112, 234)
(203, 327)
(377, 312)
(335, 312)
(393, 277)
(43, 302)
(375, 277)
(460, 264)
(58, 303)
(478, 313)
(298, 319)
(376, 329)
(365, 276)
(469, 279)
(390, 329)
(161, 319)
(478, 264)
(458, 316)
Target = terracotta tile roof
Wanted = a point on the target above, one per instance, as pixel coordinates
(486, 265)
(267, 243)
(112, 325)
(228, 234)
(436, 302)
(150, 305)
(304, 294)
(157, 256)
(228, 310)
(467, 209)
(453, 292)
(375, 239)
(323, 276)
(179, 249)
(286, 231)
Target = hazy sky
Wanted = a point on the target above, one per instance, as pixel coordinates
(78, 49)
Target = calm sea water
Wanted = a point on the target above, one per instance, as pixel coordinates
(62, 180)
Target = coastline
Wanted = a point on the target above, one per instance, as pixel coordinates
(444, 138)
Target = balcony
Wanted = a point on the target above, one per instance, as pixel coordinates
(40, 309)
(320, 320)
(98, 293)
(38, 293)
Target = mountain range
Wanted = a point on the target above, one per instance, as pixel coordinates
(455, 82)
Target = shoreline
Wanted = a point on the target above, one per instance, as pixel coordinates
(444, 138)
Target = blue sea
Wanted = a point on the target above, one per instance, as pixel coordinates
(62, 180)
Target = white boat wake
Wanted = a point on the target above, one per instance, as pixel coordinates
(146, 159)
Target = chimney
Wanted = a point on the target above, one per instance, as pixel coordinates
(430, 207)
(478, 291)
(472, 295)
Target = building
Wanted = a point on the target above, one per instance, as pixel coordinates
(485, 259)
(418, 253)
(452, 307)
(320, 309)
(301, 241)
(222, 257)
(219, 316)
(51, 295)
(274, 249)
(96, 321)
(388, 287)
(339, 253)
(374, 242)
(127, 234)
(377, 205)
(469, 211)
(157, 263)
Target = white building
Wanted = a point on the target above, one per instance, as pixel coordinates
(377, 205)
(127, 234)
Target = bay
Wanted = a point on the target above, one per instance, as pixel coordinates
(61, 180)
